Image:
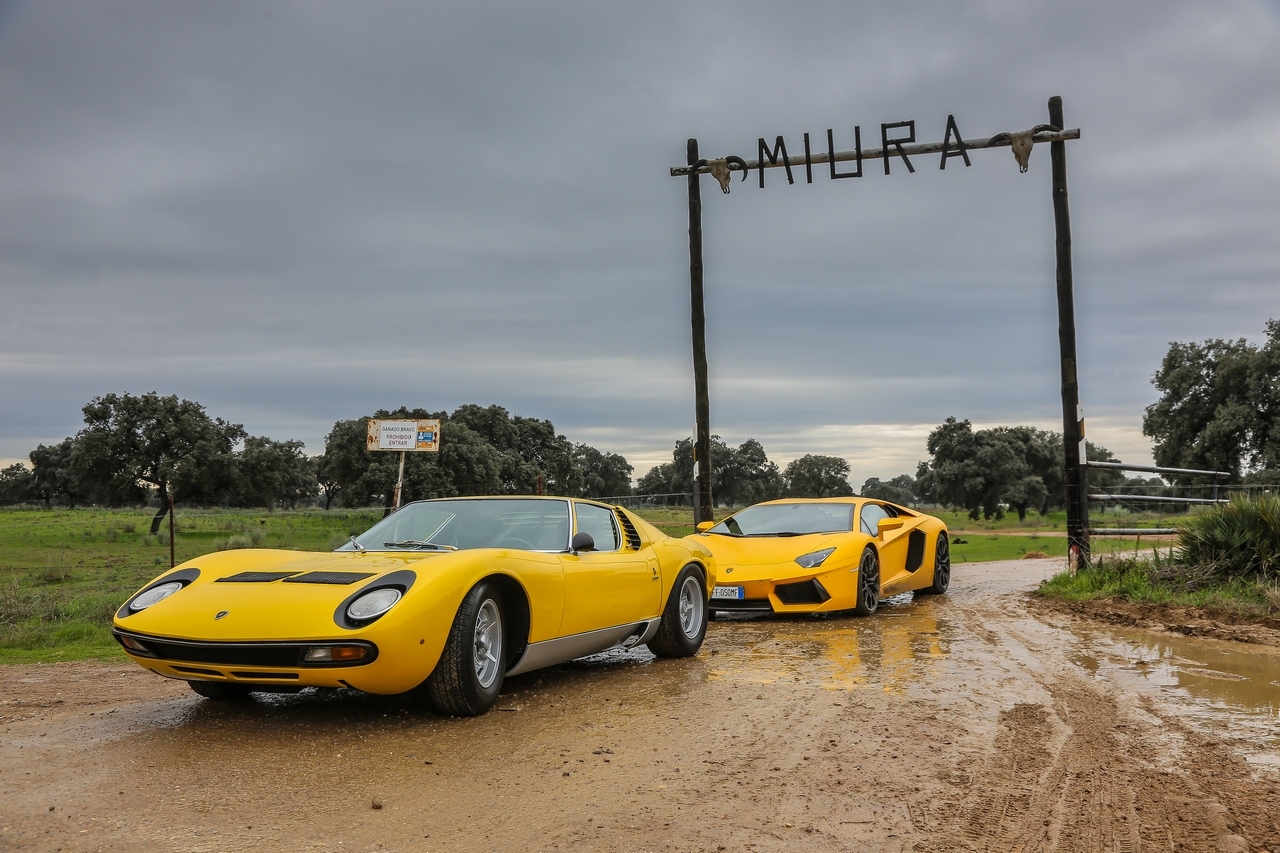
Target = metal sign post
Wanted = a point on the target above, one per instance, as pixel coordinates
(406, 436)
(897, 140)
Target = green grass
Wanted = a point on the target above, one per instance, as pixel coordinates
(1056, 520)
(985, 547)
(1159, 581)
(64, 572)
(1226, 558)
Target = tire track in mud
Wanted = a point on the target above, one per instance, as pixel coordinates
(1079, 773)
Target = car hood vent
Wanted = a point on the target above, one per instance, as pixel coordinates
(329, 577)
(255, 577)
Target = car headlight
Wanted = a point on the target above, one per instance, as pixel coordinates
(155, 595)
(813, 560)
(373, 604)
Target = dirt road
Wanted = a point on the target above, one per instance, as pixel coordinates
(958, 723)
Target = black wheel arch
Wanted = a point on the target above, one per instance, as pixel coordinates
(515, 615)
(697, 563)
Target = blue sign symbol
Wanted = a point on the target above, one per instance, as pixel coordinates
(426, 436)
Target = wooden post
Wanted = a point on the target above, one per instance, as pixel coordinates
(172, 553)
(1077, 493)
(399, 482)
(702, 506)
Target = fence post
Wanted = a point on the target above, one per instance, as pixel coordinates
(172, 528)
(702, 507)
(1077, 497)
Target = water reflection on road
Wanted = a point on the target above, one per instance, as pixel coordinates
(839, 652)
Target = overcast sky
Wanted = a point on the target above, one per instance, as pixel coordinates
(296, 213)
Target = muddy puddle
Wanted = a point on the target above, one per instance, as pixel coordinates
(1226, 688)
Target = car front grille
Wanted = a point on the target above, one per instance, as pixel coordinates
(275, 655)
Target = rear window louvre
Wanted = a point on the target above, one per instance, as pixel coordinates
(628, 529)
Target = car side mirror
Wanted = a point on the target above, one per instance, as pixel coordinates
(582, 542)
(888, 524)
(704, 526)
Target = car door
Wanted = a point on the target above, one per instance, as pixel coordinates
(611, 585)
(894, 544)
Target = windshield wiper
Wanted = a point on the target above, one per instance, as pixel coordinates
(419, 543)
(725, 533)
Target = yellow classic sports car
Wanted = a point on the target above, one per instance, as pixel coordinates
(797, 556)
(453, 595)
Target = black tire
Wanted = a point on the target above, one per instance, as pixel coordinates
(868, 583)
(468, 677)
(220, 691)
(941, 567)
(684, 619)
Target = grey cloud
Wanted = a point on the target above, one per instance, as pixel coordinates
(274, 209)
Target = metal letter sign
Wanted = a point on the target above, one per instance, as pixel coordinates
(901, 144)
(409, 436)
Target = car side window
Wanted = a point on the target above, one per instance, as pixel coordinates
(600, 523)
(870, 516)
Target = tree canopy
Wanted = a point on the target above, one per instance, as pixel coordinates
(483, 450)
(164, 442)
(744, 475)
(1219, 406)
(140, 449)
(983, 471)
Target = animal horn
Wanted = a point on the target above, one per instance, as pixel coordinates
(735, 160)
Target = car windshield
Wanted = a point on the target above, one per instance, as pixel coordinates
(451, 525)
(787, 520)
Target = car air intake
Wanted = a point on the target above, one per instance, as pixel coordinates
(915, 550)
(329, 577)
(740, 605)
(804, 592)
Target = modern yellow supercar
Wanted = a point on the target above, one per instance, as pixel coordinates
(796, 556)
(456, 594)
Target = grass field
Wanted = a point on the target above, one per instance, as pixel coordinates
(1142, 582)
(64, 572)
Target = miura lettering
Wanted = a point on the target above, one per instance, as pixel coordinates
(893, 135)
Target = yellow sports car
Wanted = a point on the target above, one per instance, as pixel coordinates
(450, 594)
(797, 556)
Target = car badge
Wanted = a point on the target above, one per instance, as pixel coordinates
(729, 571)
(221, 613)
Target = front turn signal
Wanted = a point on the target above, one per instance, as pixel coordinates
(335, 654)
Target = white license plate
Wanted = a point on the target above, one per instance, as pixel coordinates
(734, 592)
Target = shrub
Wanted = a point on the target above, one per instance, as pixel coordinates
(253, 538)
(1240, 539)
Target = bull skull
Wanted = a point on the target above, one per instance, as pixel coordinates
(1022, 143)
(719, 169)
